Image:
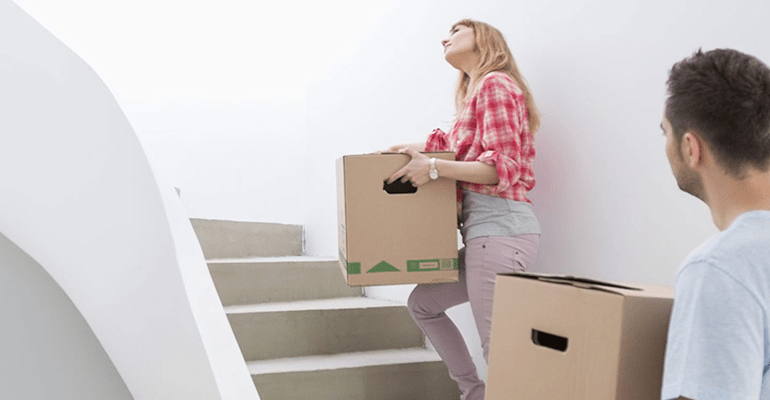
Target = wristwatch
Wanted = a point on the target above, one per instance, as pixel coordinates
(433, 171)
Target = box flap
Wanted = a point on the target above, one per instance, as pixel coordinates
(583, 283)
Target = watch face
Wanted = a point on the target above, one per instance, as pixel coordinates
(434, 174)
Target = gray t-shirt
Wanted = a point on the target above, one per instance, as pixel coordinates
(718, 336)
(485, 215)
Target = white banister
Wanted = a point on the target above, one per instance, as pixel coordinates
(78, 195)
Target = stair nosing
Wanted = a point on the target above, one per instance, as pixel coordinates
(336, 303)
(269, 260)
(343, 361)
(236, 221)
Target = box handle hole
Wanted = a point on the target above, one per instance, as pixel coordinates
(544, 339)
(398, 187)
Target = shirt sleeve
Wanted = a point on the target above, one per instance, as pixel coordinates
(715, 345)
(437, 141)
(498, 114)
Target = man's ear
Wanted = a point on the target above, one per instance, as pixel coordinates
(692, 149)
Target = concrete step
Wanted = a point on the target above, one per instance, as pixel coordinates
(305, 328)
(236, 239)
(279, 279)
(410, 374)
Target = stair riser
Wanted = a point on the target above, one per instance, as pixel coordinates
(235, 239)
(256, 283)
(419, 381)
(283, 334)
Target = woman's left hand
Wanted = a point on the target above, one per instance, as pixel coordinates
(416, 171)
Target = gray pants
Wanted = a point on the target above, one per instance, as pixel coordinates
(479, 263)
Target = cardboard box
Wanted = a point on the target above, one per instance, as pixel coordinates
(563, 338)
(394, 238)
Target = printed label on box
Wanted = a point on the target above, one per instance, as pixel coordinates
(446, 264)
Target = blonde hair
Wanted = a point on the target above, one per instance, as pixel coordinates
(494, 55)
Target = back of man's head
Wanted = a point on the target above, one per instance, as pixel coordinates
(723, 96)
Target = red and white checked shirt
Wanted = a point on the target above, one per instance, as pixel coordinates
(493, 128)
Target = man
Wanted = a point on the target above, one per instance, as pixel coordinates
(717, 127)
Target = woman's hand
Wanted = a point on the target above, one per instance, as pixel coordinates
(416, 171)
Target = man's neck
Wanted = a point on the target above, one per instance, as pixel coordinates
(728, 197)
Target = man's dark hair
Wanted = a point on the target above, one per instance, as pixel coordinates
(723, 95)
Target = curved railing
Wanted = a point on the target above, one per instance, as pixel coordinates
(78, 195)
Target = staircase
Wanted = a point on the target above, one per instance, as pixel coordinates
(305, 334)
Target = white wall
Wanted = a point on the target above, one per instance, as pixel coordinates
(214, 90)
(49, 351)
(198, 80)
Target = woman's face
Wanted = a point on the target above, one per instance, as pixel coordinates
(460, 43)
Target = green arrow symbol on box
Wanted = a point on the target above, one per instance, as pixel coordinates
(383, 267)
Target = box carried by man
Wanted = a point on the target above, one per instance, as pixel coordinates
(394, 234)
(566, 338)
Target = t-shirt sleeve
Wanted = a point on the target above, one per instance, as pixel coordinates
(715, 342)
(499, 113)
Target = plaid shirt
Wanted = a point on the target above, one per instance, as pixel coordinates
(493, 128)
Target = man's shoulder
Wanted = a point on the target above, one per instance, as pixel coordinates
(747, 238)
(722, 293)
(740, 253)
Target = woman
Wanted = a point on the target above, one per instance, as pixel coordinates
(493, 140)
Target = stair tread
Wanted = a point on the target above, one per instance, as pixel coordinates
(341, 361)
(238, 221)
(267, 260)
(304, 305)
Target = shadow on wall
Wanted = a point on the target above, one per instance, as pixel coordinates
(79, 197)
